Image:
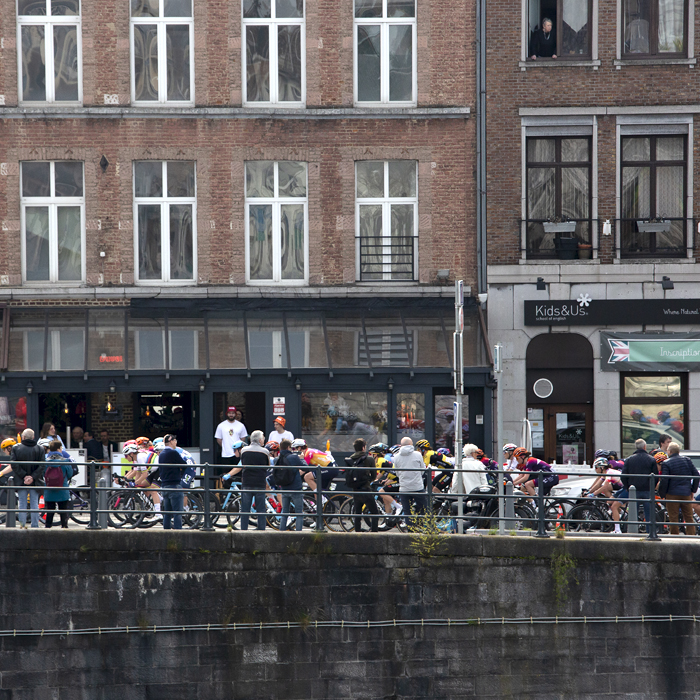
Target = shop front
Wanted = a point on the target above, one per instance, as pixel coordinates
(335, 369)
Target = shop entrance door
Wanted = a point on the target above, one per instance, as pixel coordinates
(562, 433)
(250, 404)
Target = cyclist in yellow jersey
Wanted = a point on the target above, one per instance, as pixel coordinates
(387, 478)
(426, 451)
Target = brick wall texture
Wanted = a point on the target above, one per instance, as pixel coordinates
(509, 89)
(78, 580)
(443, 147)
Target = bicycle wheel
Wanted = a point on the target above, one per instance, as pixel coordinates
(232, 510)
(589, 518)
(193, 517)
(346, 513)
(123, 510)
(331, 512)
(80, 506)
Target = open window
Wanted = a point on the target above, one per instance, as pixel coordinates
(569, 36)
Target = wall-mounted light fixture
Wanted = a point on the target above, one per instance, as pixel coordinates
(297, 384)
(112, 387)
(202, 385)
(666, 282)
(390, 384)
(30, 387)
(541, 285)
(607, 228)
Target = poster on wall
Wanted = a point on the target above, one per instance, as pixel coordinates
(650, 352)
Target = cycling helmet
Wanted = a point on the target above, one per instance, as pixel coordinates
(272, 446)
(600, 463)
(520, 452)
(45, 442)
(394, 449)
(7, 442)
(298, 443)
(158, 444)
(238, 445)
(509, 447)
(351, 418)
(660, 457)
(379, 448)
(142, 441)
(602, 453)
(129, 449)
(613, 454)
(636, 414)
(333, 412)
(444, 451)
(663, 416)
(423, 445)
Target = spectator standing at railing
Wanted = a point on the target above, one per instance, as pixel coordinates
(28, 475)
(410, 469)
(638, 466)
(359, 478)
(255, 461)
(171, 467)
(57, 462)
(289, 480)
(679, 492)
(92, 447)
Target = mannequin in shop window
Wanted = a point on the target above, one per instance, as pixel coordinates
(544, 41)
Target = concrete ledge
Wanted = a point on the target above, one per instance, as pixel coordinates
(681, 551)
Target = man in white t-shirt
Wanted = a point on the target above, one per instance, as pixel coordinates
(279, 433)
(228, 432)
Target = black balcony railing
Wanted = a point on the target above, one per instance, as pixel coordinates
(566, 240)
(661, 238)
(390, 259)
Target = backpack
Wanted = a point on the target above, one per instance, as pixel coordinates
(54, 475)
(356, 478)
(74, 467)
(283, 477)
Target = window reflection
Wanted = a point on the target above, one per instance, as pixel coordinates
(341, 417)
(410, 416)
(649, 422)
(652, 386)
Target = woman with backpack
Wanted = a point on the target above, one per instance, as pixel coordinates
(57, 474)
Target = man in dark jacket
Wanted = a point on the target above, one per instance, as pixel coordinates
(255, 461)
(289, 458)
(28, 475)
(362, 493)
(171, 466)
(679, 492)
(636, 471)
(92, 447)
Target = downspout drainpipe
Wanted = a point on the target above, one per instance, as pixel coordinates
(481, 244)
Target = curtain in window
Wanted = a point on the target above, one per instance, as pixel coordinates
(541, 201)
(178, 57)
(69, 244)
(181, 252)
(65, 65)
(371, 241)
(260, 241)
(289, 63)
(368, 63)
(257, 43)
(37, 243)
(33, 64)
(150, 263)
(671, 30)
(145, 62)
(400, 245)
(292, 238)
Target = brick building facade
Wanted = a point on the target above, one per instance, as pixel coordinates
(596, 145)
(147, 92)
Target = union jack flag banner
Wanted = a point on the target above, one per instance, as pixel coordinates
(620, 350)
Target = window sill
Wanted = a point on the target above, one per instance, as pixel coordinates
(556, 261)
(620, 62)
(161, 283)
(559, 63)
(654, 261)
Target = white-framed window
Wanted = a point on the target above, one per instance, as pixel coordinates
(386, 220)
(49, 51)
(274, 53)
(385, 52)
(162, 52)
(165, 221)
(277, 246)
(53, 221)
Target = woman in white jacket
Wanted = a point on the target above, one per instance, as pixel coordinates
(474, 474)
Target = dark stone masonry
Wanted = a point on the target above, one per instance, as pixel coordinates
(76, 580)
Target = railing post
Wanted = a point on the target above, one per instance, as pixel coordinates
(319, 501)
(102, 500)
(651, 526)
(92, 471)
(11, 515)
(632, 509)
(207, 500)
(510, 506)
(541, 529)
